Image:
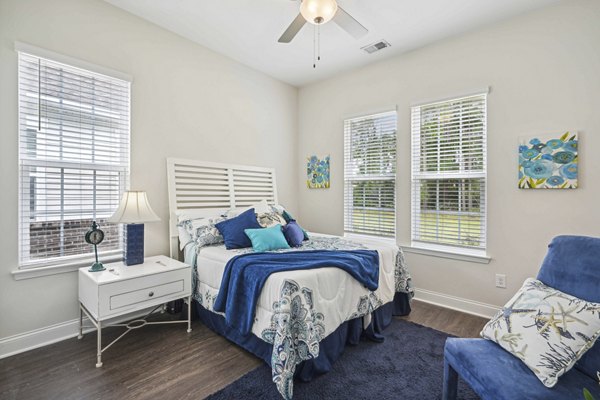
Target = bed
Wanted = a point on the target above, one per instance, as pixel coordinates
(301, 319)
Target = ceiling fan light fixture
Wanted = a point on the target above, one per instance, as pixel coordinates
(318, 12)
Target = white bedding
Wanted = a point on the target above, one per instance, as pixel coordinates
(296, 310)
(336, 295)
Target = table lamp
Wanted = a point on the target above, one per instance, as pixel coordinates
(134, 210)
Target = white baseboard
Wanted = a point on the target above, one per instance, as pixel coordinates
(456, 303)
(22, 342)
(65, 330)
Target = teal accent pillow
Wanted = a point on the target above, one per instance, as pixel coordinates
(266, 239)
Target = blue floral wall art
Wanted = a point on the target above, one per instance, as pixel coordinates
(549, 163)
(317, 173)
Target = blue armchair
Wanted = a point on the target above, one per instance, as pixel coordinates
(572, 265)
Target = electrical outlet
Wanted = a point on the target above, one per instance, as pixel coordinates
(501, 281)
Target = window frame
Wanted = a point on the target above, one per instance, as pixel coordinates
(429, 247)
(349, 180)
(28, 268)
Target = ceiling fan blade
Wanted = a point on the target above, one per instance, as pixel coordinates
(293, 29)
(349, 24)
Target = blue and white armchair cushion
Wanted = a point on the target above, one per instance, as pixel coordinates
(545, 328)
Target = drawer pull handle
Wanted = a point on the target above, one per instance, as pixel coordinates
(151, 294)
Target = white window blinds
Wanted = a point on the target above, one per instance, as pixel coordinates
(370, 175)
(449, 172)
(73, 159)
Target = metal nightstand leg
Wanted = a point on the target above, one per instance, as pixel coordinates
(98, 326)
(99, 350)
(80, 336)
(189, 329)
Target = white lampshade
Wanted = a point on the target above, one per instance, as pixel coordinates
(134, 209)
(318, 12)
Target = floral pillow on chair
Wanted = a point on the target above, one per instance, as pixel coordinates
(546, 329)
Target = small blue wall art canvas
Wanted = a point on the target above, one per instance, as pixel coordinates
(549, 162)
(317, 173)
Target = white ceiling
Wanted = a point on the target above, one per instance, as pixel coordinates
(247, 30)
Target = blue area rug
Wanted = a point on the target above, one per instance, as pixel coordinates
(409, 364)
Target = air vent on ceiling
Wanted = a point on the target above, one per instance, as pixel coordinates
(372, 48)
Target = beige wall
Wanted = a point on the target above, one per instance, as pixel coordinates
(187, 101)
(544, 72)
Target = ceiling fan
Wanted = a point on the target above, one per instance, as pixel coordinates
(319, 12)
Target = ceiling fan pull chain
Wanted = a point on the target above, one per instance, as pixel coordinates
(319, 42)
(314, 46)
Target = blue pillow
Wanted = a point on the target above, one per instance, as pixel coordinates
(233, 230)
(288, 217)
(266, 239)
(293, 233)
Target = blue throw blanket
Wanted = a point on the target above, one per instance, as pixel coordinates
(246, 274)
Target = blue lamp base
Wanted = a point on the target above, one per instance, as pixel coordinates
(134, 244)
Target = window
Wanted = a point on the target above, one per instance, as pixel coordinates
(370, 175)
(73, 159)
(449, 173)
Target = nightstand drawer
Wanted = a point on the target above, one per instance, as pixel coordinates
(146, 294)
(124, 296)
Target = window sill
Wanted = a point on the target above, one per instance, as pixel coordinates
(369, 238)
(474, 258)
(29, 273)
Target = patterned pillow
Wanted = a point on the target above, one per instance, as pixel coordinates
(201, 230)
(269, 219)
(546, 329)
(266, 215)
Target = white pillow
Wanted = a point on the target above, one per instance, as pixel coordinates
(183, 215)
(278, 208)
(262, 207)
(259, 208)
(546, 329)
(184, 236)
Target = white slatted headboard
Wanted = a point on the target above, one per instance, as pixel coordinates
(214, 187)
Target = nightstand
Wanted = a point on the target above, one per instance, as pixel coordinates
(122, 290)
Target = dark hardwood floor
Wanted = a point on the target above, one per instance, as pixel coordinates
(443, 319)
(159, 362)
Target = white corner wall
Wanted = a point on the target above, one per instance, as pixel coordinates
(544, 72)
(187, 101)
